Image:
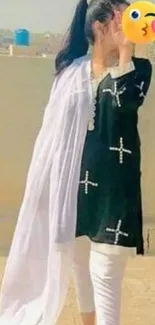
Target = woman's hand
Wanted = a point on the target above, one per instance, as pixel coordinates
(125, 47)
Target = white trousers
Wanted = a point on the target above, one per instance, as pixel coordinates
(98, 280)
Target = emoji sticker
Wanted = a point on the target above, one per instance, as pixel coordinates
(138, 22)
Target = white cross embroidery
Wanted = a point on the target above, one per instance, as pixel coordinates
(86, 182)
(116, 93)
(121, 151)
(117, 232)
(141, 88)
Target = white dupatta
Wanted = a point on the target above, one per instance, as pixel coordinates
(37, 273)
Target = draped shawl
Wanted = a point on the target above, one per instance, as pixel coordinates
(38, 268)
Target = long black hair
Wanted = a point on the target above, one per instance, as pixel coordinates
(80, 33)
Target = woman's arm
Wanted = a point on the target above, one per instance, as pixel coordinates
(130, 83)
(131, 79)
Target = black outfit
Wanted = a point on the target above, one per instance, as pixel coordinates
(109, 199)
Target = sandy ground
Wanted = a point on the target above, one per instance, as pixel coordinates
(138, 296)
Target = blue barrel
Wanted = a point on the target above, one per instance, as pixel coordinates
(22, 37)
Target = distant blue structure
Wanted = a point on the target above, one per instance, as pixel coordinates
(22, 37)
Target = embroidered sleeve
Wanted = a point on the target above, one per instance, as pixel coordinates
(129, 84)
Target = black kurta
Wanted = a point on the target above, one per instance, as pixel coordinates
(109, 199)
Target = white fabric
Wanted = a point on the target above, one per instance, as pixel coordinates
(81, 275)
(98, 282)
(38, 268)
(114, 249)
(122, 70)
(107, 274)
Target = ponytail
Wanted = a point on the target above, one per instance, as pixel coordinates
(75, 44)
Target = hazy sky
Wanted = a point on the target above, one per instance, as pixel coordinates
(37, 15)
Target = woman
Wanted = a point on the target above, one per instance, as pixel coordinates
(84, 179)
